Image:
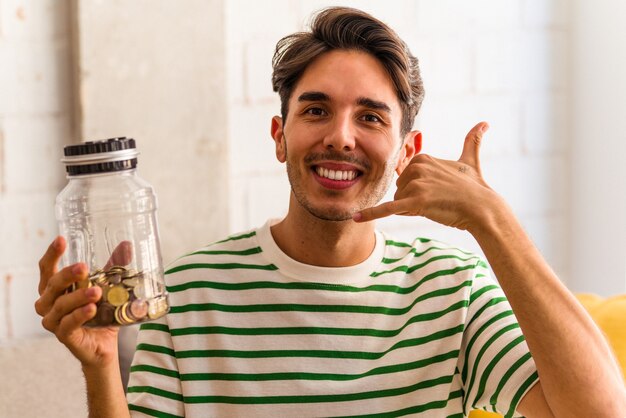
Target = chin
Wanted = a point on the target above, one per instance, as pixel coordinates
(332, 214)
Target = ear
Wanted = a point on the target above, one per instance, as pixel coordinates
(410, 148)
(276, 131)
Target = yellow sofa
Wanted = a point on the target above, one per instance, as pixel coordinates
(610, 315)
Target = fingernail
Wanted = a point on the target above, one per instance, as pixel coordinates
(356, 217)
(484, 128)
(57, 243)
(91, 292)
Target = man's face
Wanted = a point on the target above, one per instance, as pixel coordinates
(341, 141)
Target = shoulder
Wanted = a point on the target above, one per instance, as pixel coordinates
(235, 251)
(433, 264)
(426, 250)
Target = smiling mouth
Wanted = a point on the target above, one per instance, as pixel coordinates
(337, 175)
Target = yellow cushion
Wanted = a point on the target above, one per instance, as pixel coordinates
(610, 315)
(483, 414)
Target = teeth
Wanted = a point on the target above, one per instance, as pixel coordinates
(336, 174)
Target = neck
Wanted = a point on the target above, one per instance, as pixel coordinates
(314, 241)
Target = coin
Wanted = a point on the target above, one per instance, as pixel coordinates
(138, 309)
(140, 291)
(129, 273)
(104, 315)
(158, 307)
(99, 277)
(131, 282)
(117, 295)
(120, 317)
(114, 278)
(128, 296)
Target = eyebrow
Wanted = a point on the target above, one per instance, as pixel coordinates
(313, 96)
(318, 96)
(373, 104)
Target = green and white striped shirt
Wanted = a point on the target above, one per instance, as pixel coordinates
(417, 329)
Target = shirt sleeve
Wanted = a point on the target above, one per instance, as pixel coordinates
(154, 387)
(496, 366)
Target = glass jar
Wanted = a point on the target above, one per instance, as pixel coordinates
(107, 214)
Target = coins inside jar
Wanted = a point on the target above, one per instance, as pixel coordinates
(127, 297)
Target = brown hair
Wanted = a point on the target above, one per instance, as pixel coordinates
(350, 29)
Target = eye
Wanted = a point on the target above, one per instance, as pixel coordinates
(315, 111)
(370, 117)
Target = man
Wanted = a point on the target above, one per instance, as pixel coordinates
(319, 314)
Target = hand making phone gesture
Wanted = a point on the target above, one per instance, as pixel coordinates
(452, 193)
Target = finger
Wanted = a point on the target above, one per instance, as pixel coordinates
(395, 207)
(68, 303)
(72, 301)
(121, 256)
(421, 166)
(72, 322)
(471, 147)
(49, 262)
(58, 284)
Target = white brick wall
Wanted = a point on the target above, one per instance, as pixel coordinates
(35, 123)
(503, 61)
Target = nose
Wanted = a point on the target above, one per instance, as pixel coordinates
(341, 136)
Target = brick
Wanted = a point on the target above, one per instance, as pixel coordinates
(545, 61)
(546, 13)
(2, 161)
(532, 185)
(446, 122)
(8, 76)
(252, 148)
(238, 203)
(2, 30)
(255, 199)
(34, 19)
(500, 66)
(28, 225)
(24, 293)
(37, 78)
(5, 303)
(268, 197)
(528, 61)
(20, 290)
(545, 122)
(443, 16)
(248, 21)
(33, 146)
(489, 15)
(467, 18)
(446, 65)
(236, 73)
(258, 67)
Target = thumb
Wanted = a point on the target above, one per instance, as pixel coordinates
(471, 147)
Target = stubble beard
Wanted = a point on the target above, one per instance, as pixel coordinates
(368, 198)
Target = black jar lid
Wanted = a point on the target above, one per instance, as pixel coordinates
(104, 156)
